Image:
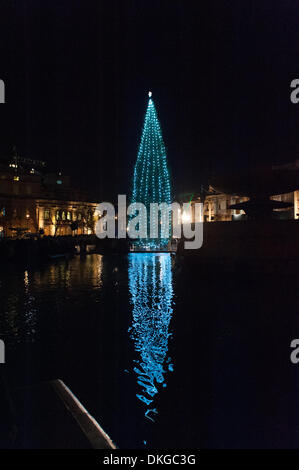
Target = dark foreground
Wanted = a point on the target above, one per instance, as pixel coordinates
(163, 356)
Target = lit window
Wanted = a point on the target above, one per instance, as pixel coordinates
(63, 215)
(79, 216)
(69, 215)
(47, 214)
(59, 182)
(57, 215)
(16, 178)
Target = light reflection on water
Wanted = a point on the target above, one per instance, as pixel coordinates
(18, 309)
(46, 312)
(150, 285)
(27, 296)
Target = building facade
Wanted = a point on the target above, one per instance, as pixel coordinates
(34, 201)
(216, 206)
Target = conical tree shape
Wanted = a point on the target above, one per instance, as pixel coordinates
(151, 181)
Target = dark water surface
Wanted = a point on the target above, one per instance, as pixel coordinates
(160, 357)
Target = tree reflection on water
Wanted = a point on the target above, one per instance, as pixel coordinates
(150, 284)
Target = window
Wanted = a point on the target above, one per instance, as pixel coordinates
(16, 178)
(79, 216)
(63, 215)
(57, 215)
(74, 216)
(69, 215)
(47, 214)
(59, 182)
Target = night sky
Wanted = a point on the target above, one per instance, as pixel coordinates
(77, 73)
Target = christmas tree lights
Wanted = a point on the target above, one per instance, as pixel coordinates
(151, 183)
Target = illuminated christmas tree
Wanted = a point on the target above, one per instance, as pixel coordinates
(151, 176)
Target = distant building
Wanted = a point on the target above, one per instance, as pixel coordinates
(33, 200)
(216, 206)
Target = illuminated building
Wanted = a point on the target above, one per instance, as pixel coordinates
(216, 206)
(34, 201)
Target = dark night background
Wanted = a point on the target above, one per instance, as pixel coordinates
(77, 75)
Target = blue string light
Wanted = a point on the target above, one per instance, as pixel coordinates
(151, 182)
